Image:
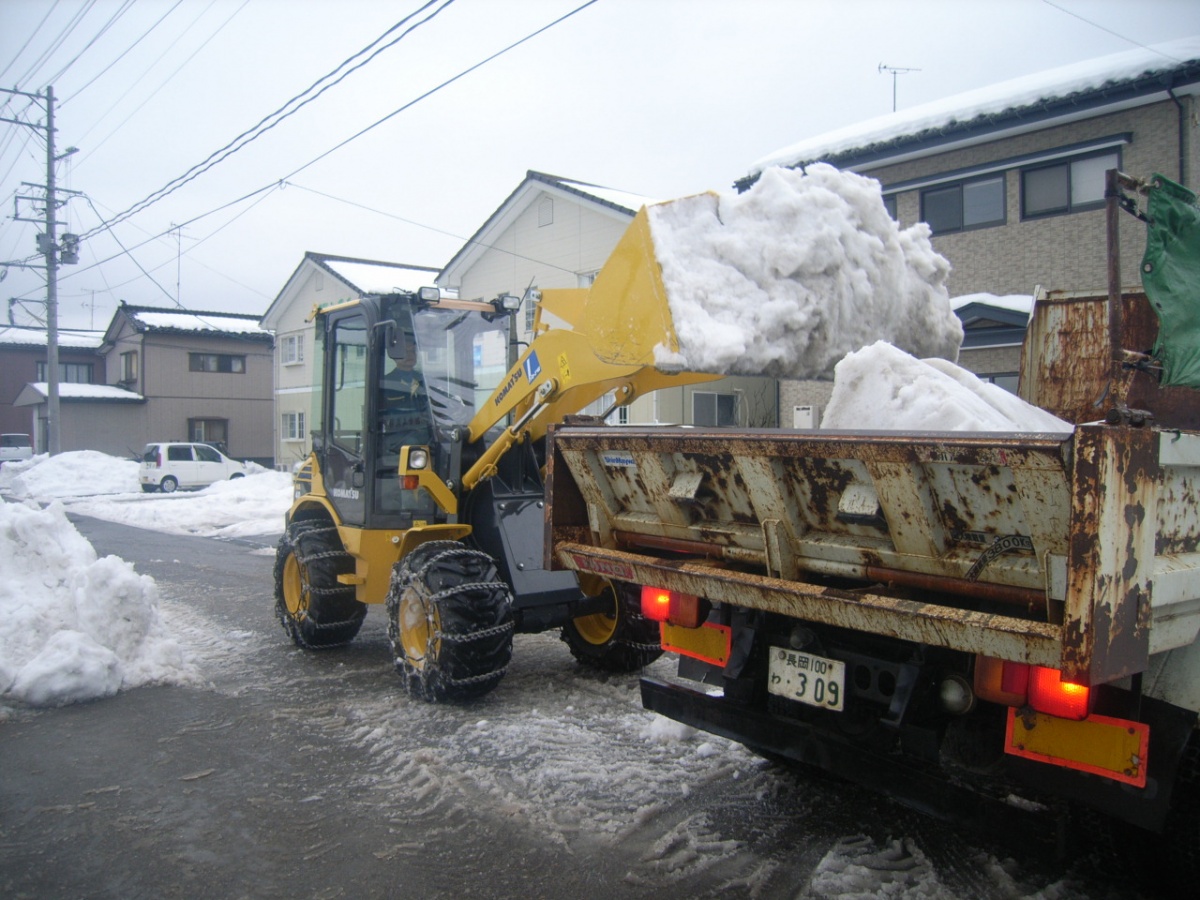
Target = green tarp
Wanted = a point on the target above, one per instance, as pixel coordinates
(1171, 276)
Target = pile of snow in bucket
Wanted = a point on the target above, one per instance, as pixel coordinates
(787, 278)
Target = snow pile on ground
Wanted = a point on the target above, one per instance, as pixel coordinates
(882, 388)
(105, 487)
(789, 277)
(78, 473)
(74, 627)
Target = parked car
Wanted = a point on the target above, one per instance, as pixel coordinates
(14, 447)
(169, 466)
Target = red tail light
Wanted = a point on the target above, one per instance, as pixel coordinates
(1049, 694)
(685, 610)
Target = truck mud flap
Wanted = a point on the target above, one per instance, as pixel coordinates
(893, 776)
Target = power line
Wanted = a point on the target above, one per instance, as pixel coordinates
(282, 113)
(88, 46)
(98, 144)
(57, 42)
(284, 180)
(29, 39)
(122, 55)
(1115, 34)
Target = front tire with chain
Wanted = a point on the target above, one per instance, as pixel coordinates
(450, 622)
(314, 608)
(622, 640)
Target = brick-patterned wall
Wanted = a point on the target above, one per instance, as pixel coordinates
(1068, 251)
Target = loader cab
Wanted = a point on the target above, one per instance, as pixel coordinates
(399, 372)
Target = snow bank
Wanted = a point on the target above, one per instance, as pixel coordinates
(74, 474)
(74, 627)
(789, 277)
(882, 388)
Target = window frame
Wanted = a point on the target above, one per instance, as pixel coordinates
(129, 367)
(65, 370)
(716, 395)
(292, 350)
(292, 426)
(1066, 163)
(960, 187)
(236, 363)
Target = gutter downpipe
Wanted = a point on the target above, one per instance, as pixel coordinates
(1179, 119)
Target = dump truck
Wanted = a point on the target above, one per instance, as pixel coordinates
(985, 626)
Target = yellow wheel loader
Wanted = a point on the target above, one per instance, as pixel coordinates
(424, 489)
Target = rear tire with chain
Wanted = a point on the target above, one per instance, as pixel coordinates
(622, 640)
(450, 622)
(314, 608)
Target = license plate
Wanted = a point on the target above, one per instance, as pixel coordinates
(809, 679)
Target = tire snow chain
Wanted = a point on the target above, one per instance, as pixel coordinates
(473, 635)
(457, 552)
(476, 679)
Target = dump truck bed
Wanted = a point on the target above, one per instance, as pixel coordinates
(1077, 551)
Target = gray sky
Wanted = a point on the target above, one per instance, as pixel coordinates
(658, 97)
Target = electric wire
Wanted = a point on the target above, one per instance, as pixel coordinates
(29, 39)
(106, 224)
(1115, 34)
(88, 46)
(279, 115)
(57, 42)
(94, 146)
(122, 55)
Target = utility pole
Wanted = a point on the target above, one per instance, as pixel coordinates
(48, 245)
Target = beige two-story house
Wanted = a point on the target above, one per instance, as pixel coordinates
(320, 279)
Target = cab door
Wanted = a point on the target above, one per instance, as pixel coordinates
(345, 422)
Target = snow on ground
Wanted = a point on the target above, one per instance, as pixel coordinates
(74, 627)
(787, 278)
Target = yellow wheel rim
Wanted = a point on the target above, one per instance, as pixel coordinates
(599, 628)
(294, 595)
(418, 625)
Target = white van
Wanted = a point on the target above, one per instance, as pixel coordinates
(14, 447)
(166, 467)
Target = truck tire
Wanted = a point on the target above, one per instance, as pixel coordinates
(315, 610)
(450, 622)
(1174, 855)
(621, 641)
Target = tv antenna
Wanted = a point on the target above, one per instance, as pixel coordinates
(894, 71)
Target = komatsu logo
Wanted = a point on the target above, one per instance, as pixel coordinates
(508, 386)
(345, 493)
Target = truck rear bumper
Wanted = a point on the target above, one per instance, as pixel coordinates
(924, 788)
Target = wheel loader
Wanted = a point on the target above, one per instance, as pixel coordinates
(424, 489)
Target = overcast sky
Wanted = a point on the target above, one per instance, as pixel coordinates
(657, 97)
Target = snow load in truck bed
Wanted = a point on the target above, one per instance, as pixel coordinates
(787, 278)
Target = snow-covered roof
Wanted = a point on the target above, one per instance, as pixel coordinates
(1022, 303)
(373, 277)
(37, 391)
(180, 321)
(36, 337)
(1067, 92)
(624, 200)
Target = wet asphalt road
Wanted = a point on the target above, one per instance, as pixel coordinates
(269, 778)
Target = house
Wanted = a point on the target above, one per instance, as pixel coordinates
(23, 360)
(1010, 178)
(553, 232)
(319, 280)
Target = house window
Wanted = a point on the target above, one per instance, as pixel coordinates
(1065, 187)
(714, 410)
(889, 203)
(967, 204)
(209, 431)
(530, 312)
(129, 367)
(545, 212)
(293, 426)
(72, 373)
(216, 362)
(293, 349)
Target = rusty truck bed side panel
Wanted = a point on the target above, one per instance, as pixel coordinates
(1069, 533)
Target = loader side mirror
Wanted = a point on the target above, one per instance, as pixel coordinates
(394, 339)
